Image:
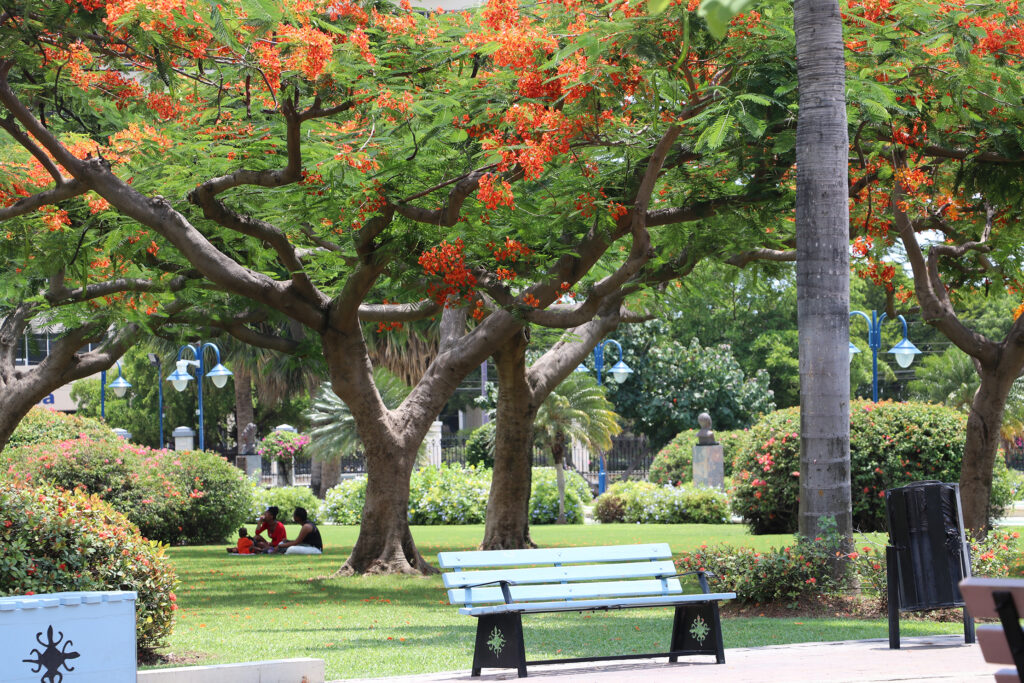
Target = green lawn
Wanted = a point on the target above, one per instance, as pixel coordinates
(235, 609)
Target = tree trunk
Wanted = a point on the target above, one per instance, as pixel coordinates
(15, 407)
(330, 476)
(508, 506)
(245, 413)
(558, 455)
(822, 232)
(385, 544)
(316, 470)
(982, 448)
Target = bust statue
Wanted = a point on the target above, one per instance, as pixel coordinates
(705, 437)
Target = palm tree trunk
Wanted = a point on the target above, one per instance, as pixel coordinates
(330, 476)
(245, 413)
(558, 455)
(508, 505)
(822, 233)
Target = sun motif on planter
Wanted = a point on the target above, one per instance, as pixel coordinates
(496, 643)
(699, 629)
(51, 658)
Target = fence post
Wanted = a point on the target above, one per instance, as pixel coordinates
(433, 444)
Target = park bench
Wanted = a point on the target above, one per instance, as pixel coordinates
(1000, 599)
(499, 586)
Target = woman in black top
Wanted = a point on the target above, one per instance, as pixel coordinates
(308, 542)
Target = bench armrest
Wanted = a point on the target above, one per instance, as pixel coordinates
(702, 575)
(505, 592)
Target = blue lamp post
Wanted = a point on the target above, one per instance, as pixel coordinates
(119, 386)
(904, 351)
(619, 372)
(181, 376)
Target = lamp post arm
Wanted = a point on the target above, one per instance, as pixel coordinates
(904, 321)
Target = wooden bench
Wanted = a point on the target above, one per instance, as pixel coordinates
(499, 586)
(1001, 599)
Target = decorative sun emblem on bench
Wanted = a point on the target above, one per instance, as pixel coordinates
(51, 658)
(496, 643)
(699, 629)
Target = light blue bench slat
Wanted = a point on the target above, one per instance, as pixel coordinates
(572, 606)
(574, 591)
(574, 572)
(518, 558)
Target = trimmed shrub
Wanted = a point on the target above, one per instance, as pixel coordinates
(609, 508)
(53, 540)
(453, 495)
(343, 504)
(178, 497)
(286, 498)
(449, 494)
(641, 502)
(891, 444)
(43, 425)
(480, 446)
(674, 463)
(544, 496)
(785, 575)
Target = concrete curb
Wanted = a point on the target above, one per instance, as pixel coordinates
(300, 670)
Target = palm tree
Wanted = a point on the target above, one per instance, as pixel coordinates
(333, 429)
(576, 410)
(823, 270)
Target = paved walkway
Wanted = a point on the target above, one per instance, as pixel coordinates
(935, 659)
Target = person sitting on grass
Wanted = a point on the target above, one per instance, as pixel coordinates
(308, 542)
(269, 523)
(244, 546)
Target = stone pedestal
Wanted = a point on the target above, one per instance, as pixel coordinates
(709, 465)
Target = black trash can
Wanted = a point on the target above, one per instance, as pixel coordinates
(928, 553)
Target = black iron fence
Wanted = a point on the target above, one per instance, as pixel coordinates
(630, 457)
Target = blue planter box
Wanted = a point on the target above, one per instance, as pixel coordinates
(69, 637)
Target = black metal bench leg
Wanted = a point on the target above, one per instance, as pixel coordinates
(969, 636)
(1010, 619)
(893, 596)
(697, 629)
(499, 643)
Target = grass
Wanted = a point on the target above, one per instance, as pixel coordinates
(235, 609)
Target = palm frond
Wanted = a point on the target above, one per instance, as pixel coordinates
(333, 429)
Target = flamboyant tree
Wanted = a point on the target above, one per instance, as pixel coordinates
(939, 166)
(320, 160)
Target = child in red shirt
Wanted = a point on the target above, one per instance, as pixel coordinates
(244, 546)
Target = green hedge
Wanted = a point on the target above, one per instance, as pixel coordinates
(178, 497)
(451, 494)
(53, 540)
(891, 444)
(286, 498)
(642, 502)
(674, 463)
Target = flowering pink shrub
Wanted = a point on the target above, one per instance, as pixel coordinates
(53, 540)
(282, 446)
(177, 497)
(43, 425)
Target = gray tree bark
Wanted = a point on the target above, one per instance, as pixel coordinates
(823, 270)
(507, 524)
